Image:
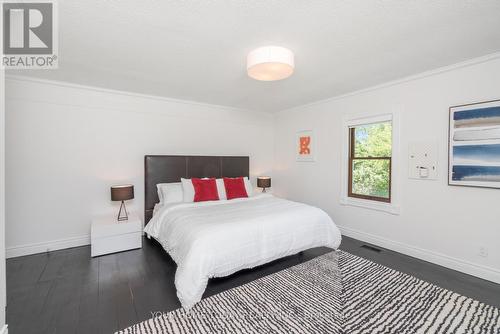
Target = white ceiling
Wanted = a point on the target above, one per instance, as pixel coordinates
(196, 50)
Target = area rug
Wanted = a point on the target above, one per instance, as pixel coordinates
(334, 293)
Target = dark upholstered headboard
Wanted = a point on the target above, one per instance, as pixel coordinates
(170, 168)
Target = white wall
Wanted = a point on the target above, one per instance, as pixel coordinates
(439, 223)
(67, 144)
(3, 295)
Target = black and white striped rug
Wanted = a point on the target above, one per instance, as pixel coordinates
(334, 293)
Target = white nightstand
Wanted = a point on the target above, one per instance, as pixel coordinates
(108, 235)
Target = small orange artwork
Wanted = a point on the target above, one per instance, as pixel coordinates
(304, 143)
(305, 146)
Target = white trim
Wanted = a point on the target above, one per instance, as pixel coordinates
(365, 119)
(373, 205)
(421, 75)
(478, 270)
(4, 330)
(249, 116)
(41, 247)
(22, 78)
(3, 286)
(355, 120)
(467, 63)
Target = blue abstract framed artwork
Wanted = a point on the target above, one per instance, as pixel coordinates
(474, 145)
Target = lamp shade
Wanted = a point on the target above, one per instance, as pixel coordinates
(122, 192)
(270, 63)
(264, 182)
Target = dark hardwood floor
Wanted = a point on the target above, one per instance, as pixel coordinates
(67, 291)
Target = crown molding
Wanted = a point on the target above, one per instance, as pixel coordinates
(65, 84)
(437, 71)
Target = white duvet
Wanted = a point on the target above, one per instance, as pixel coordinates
(218, 238)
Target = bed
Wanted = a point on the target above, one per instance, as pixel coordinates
(219, 238)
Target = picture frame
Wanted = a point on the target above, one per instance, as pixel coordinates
(305, 146)
(474, 145)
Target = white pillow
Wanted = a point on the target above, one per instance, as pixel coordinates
(188, 190)
(248, 186)
(159, 191)
(170, 192)
(221, 189)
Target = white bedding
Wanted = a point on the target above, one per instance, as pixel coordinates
(218, 238)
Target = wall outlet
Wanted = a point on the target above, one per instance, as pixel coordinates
(483, 251)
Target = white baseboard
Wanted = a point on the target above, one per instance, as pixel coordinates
(484, 272)
(42, 247)
(4, 330)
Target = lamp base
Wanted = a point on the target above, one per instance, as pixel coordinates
(122, 214)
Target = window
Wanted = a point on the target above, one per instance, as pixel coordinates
(370, 160)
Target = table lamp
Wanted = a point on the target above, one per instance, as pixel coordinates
(264, 182)
(122, 193)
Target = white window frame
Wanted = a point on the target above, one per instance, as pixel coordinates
(357, 120)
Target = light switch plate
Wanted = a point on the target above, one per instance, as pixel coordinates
(423, 160)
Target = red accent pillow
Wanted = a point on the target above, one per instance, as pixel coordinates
(235, 187)
(205, 190)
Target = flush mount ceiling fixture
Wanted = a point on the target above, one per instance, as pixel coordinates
(270, 63)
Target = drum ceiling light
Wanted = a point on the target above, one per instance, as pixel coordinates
(270, 63)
